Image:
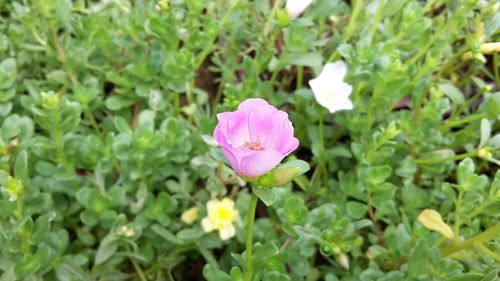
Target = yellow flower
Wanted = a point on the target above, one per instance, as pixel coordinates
(221, 216)
(433, 221)
(190, 215)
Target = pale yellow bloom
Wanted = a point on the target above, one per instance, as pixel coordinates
(126, 231)
(162, 5)
(484, 153)
(433, 221)
(343, 261)
(190, 215)
(489, 48)
(221, 216)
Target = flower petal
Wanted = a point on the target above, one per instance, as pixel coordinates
(261, 162)
(263, 122)
(227, 232)
(248, 104)
(231, 158)
(334, 71)
(296, 7)
(220, 131)
(237, 129)
(329, 87)
(207, 225)
(288, 145)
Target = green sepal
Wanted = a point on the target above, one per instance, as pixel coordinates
(283, 174)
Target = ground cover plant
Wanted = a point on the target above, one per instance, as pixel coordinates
(249, 140)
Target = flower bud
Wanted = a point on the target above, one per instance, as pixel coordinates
(282, 17)
(337, 250)
(328, 234)
(343, 261)
(3, 149)
(278, 177)
(325, 250)
(484, 153)
(489, 48)
(13, 188)
(432, 220)
(50, 100)
(162, 5)
(190, 215)
(126, 231)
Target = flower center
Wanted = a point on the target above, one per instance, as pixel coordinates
(254, 145)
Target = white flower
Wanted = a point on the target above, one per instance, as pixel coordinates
(329, 87)
(221, 216)
(296, 7)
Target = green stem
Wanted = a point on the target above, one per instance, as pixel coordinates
(480, 208)
(478, 239)
(378, 17)
(211, 43)
(138, 270)
(94, 124)
(469, 119)
(59, 144)
(19, 208)
(356, 7)
(269, 21)
(445, 159)
(249, 238)
(25, 244)
(496, 67)
(298, 100)
(456, 227)
(352, 20)
(431, 42)
(322, 140)
(481, 248)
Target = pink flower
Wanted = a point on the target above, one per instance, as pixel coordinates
(255, 138)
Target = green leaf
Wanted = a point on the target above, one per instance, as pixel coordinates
(121, 124)
(313, 60)
(453, 93)
(166, 234)
(421, 258)
(467, 277)
(104, 252)
(21, 166)
(485, 132)
(465, 170)
(29, 266)
(295, 209)
(356, 210)
(267, 195)
(211, 273)
(70, 272)
(217, 153)
(117, 103)
(379, 174)
(263, 252)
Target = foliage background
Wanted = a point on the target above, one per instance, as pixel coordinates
(106, 112)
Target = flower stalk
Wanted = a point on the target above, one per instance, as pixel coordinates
(249, 239)
(476, 240)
